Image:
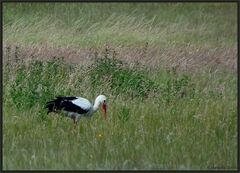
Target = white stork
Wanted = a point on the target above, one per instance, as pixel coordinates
(75, 107)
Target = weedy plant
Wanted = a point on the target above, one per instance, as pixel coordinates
(176, 87)
(120, 77)
(35, 81)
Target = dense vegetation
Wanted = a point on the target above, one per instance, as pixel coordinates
(158, 119)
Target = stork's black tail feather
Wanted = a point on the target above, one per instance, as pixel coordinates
(54, 105)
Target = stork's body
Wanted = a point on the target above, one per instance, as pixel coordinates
(76, 107)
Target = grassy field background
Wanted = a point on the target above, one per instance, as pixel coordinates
(168, 70)
(130, 24)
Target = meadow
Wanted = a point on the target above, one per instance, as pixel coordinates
(163, 115)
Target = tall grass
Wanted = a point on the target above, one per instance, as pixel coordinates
(121, 24)
(185, 121)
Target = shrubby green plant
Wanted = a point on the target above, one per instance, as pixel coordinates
(121, 78)
(176, 86)
(36, 81)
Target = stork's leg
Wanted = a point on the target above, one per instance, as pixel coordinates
(76, 119)
(75, 123)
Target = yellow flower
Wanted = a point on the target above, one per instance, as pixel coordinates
(100, 136)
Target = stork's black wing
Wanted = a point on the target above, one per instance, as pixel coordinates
(67, 104)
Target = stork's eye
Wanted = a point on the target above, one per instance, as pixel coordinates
(104, 101)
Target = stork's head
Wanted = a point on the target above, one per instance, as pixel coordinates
(103, 102)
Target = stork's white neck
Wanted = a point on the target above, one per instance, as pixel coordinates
(96, 105)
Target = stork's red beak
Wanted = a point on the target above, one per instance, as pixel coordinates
(104, 107)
